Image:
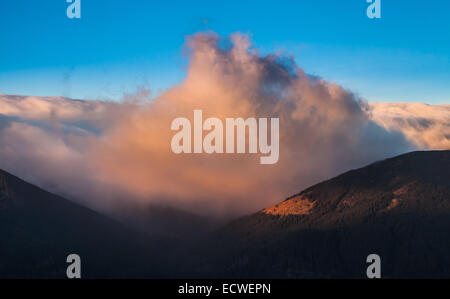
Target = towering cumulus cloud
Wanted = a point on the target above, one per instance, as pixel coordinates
(98, 152)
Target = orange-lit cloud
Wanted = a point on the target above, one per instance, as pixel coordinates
(99, 152)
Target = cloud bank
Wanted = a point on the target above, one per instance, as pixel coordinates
(103, 152)
(426, 126)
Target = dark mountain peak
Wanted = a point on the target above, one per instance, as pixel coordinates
(398, 208)
(414, 182)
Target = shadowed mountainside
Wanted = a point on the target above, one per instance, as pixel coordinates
(398, 208)
(39, 230)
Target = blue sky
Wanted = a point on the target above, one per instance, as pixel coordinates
(120, 46)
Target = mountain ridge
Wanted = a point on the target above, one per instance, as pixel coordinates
(40, 229)
(398, 208)
(417, 169)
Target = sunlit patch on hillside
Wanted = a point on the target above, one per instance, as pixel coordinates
(299, 205)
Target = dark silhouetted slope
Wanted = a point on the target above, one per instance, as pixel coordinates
(398, 208)
(39, 229)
